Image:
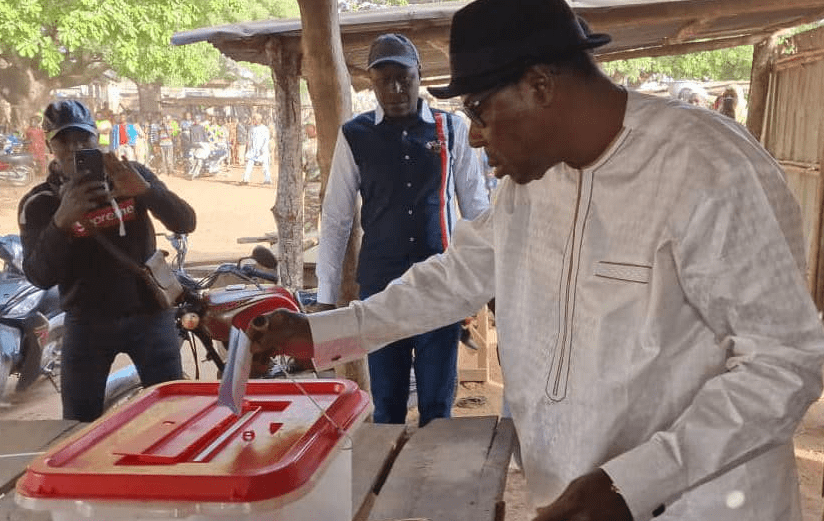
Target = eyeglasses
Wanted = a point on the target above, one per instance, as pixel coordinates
(472, 104)
(395, 83)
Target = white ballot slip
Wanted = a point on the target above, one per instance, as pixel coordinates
(236, 372)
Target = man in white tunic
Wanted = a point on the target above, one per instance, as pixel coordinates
(258, 150)
(658, 341)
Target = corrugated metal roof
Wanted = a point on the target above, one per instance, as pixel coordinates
(638, 28)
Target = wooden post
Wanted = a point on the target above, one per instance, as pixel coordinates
(329, 88)
(762, 60)
(817, 244)
(482, 335)
(326, 75)
(284, 56)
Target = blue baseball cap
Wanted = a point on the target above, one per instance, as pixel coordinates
(64, 114)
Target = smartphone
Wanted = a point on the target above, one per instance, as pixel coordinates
(89, 164)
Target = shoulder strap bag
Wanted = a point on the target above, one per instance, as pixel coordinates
(155, 272)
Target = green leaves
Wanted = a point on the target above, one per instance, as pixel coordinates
(131, 35)
(724, 64)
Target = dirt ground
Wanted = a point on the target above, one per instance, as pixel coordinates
(227, 211)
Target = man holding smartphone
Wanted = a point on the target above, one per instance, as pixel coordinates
(109, 309)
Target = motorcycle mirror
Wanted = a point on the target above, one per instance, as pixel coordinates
(264, 256)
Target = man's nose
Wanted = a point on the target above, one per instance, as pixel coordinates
(395, 87)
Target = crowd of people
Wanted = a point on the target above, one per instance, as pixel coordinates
(730, 102)
(164, 141)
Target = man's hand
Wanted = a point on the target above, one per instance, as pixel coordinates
(126, 181)
(590, 497)
(280, 333)
(77, 198)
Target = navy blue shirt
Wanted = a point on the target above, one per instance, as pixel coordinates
(407, 174)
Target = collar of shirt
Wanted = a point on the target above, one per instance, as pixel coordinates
(424, 113)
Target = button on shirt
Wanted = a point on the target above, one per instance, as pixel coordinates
(408, 197)
(652, 313)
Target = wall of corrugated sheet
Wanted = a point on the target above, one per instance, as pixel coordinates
(793, 124)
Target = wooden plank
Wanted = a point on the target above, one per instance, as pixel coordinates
(374, 448)
(493, 480)
(21, 440)
(473, 375)
(440, 472)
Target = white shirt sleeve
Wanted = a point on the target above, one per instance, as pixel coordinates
(469, 177)
(439, 291)
(338, 211)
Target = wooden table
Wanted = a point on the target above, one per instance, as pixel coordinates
(451, 470)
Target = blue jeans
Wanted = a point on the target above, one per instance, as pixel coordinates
(90, 346)
(434, 356)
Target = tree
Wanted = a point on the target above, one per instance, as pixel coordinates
(46, 45)
(723, 64)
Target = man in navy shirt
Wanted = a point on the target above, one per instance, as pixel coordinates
(408, 163)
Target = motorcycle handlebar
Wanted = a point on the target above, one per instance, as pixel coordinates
(251, 271)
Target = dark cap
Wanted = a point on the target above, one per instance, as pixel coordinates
(393, 48)
(61, 115)
(489, 38)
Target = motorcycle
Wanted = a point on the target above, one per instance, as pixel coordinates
(16, 165)
(216, 307)
(31, 324)
(205, 159)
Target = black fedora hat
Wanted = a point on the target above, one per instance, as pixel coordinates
(490, 37)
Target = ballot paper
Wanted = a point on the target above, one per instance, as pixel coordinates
(236, 372)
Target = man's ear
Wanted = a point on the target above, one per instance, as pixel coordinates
(542, 82)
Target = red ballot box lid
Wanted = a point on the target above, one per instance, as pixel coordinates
(175, 442)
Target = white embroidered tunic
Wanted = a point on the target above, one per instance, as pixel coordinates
(652, 316)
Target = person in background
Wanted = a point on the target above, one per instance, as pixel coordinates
(258, 150)
(104, 127)
(311, 169)
(35, 142)
(109, 309)
(124, 138)
(200, 136)
(165, 140)
(231, 127)
(153, 125)
(197, 130)
(658, 341)
(728, 101)
(410, 164)
(490, 181)
(185, 137)
(141, 146)
(242, 138)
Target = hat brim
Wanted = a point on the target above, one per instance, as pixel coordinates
(82, 126)
(459, 86)
(400, 60)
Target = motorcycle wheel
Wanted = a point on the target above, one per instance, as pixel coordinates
(50, 358)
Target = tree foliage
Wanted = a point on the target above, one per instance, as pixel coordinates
(47, 44)
(723, 64)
